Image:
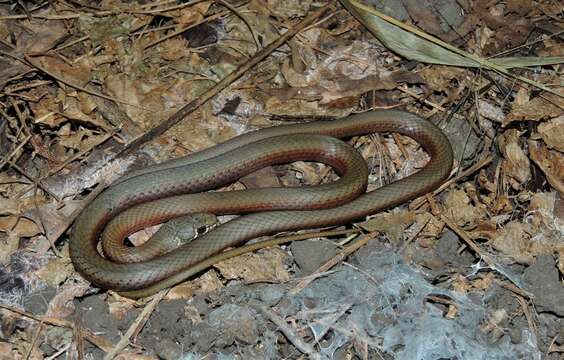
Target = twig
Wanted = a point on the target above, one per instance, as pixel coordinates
(49, 239)
(8, 157)
(61, 228)
(533, 326)
(170, 8)
(226, 81)
(64, 164)
(477, 166)
(476, 249)
(139, 322)
(287, 330)
(244, 20)
(76, 15)
(36, 182)
(59, 352)
(78, 338)
(100, 342)
(180, 31)
(334, 261)
(34, 340)
(28, 62)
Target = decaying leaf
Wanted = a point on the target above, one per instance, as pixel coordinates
(516, 166)
(551, 162)
(56, 271)
(268, 265)
(119, 306)
(62, 305)
(202, 285)
(393, 224)
(552, 133)
(460, 209)
(19, 225)
(537, 109)
(514, 240)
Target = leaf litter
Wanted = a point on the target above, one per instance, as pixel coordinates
(473, 270)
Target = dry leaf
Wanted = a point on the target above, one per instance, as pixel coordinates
(56, 271)
(173, 49)
(8, 245)
(268, 265)
(552, 133)
(484, 281)
(45, 112)
(433, 228)
(516, 166)
(8, 351)
(514, 241)
(128, 355)
(62, 304)
(536, 109)
(485, 230)
(19, 225)
(8, 206)
(393, 224)
(551, 162)
(490, 111)
(139, 95)
(289, 8)
(521, 7)
(263, 178)
(309, 173)
(192, 14)
(458, 207)
(77, 74)
(119, 306)
(206, 283)
(541, 209)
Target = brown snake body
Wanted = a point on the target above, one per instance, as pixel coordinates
(165, 191)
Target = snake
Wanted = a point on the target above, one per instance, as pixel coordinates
(192, 184)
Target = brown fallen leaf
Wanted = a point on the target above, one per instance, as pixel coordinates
(206, 283)
(459, 208)
(8, 351)
(79, 73)
(440, 78)
(62, 305)
(119, 306)
(491, 111)
(538, 108)
(551, 162)
(10, 244)
(267, 265)
(19, 225)
(552, 133)
(516, 166)
(309, 173)
(128, 355)
(541, 209)
(514, 241)
(56, 271)
(265, 177)
(393, 224)
(521, 7)
(485, 230)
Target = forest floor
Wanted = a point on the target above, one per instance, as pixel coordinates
(90, 91)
